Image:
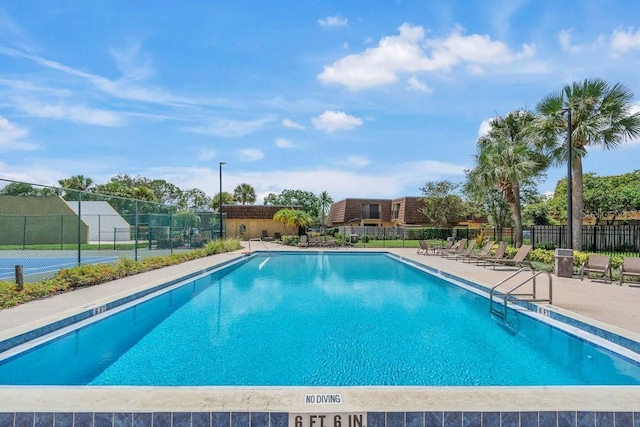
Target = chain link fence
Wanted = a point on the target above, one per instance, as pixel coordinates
(44, 229)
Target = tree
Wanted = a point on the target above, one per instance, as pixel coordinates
(164, 191)
(308, 201)
(76, 182)
(538, 212)
(325, 201)
(195, 199)
(143, 192)
(441, 205)
(507, 159)
(227, 199)
(293, 217)
(601, 115)
(20, 189)
(244, 193)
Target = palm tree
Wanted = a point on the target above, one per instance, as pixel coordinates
(76, 182)
(325, 202)
(244, 193)
(294, 217)
(601, 115)
(507, 158)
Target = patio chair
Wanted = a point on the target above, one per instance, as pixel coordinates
(597, 264)
(455, 249)
(466, 252)
(630, 267)
(519, 259)
(485, 252)
(500, 254)
(438, 249)
(304, 241)
(423, 248)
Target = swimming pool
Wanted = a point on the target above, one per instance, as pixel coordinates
(317, 319)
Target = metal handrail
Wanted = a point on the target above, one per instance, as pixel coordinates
(258, 239)
(511, 293)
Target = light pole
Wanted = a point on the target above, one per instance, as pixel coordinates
(569, 183)
(220, 207)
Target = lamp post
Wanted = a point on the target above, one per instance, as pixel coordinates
(220, 207)
(569, 183)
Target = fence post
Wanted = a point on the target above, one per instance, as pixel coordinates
(533, 237)
(79, 226)
(61, 231)
(19, 277)
(135, 251)
(24, 233)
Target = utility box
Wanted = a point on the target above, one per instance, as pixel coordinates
(564, 263)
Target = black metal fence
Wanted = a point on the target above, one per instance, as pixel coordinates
(612, 239)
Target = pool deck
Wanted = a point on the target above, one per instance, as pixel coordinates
(607, 306)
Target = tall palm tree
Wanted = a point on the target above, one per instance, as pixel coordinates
(325, 202)
(507, 158)
(76, 182)
(600, 116)
(244, 193)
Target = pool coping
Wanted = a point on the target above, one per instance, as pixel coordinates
(39, 399)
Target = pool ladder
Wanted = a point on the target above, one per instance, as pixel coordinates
(258, 239)
(500, 311)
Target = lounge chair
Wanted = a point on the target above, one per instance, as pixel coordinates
(500, 254)
(455, 249)
(630, 267)
(518, 259)
(304, 241)
(597, 264)
(486, 250)
(466, 252)
(424, 247)
(438, 249)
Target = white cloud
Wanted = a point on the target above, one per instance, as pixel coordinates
(284, 143)
(566, 43)
(131, 64)
(331, 121)
(417, 85)
(333, 21)
(485, 127)
(411, 52)
(291, 124)
(251, 155)
(11, 137)
(354, 162)
(622, 41)
(206, 155)
(73, 113)
(230, 128)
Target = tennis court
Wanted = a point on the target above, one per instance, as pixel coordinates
(45, 265)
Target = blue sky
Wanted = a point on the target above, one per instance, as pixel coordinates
(361, 99)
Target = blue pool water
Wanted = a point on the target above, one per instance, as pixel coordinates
(317, 320)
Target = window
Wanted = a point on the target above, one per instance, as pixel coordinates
(370, 211)
(395, 213)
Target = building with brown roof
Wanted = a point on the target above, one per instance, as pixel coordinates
(377, 212)
(246, 222)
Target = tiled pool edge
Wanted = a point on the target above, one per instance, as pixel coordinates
(281, 419)
(22, 338)
(607, 335)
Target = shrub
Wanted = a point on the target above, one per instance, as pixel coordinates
(94, 274)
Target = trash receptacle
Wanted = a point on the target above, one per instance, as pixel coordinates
(353, 238)
(564, 263)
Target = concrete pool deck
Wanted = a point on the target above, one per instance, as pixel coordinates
(607, 306)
